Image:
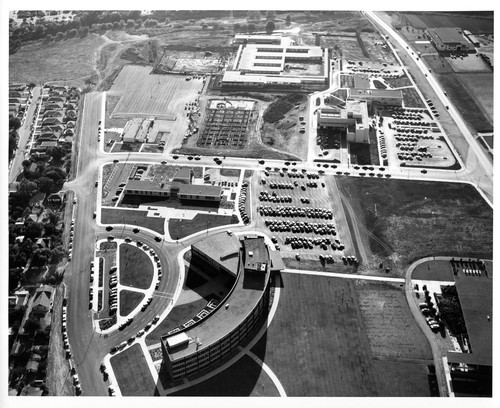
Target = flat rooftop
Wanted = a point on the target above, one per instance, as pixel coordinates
(256, 253)
(448, 35)
(200, 190)
(476, 300)
(242, 300)
(147, 185)
(236, 76)
(223, 248)
(361, 81)
(376, 93)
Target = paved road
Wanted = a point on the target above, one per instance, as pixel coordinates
(24, 136)
(479, 167)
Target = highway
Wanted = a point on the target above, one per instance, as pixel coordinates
(479, 167)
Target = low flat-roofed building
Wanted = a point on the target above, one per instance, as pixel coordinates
(219, 334)
(142, 133)
(235, 78)
(199, 192)
(448, 39)
(475, 294)
(256, 39)
(148, 188)
(131, 129)
(184, 175)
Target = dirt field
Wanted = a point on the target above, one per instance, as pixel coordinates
(59, 380)
(390, 326)
(146, 94)
(417, 219)
(475, 24)
(64, 60)
(330, 347)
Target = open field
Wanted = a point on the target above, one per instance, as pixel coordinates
(136, 268)
(146, 94)
(57, 61)
(404, 378)
(244, 378)
(330, 353)
(180, 228)
(465, 102)
(390, 326)
(415, 219)
(480, 85)
(135, 217)
(475, 23)
(129, 300)
(132, 373)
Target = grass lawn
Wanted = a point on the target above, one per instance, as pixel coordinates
(412, 99)
(179, 228)
(403, 378)
(434, 270)
(64, 60)
(178, 315)
(136, 217)
(317, 344)
(415, 219)
(136, 268)
(244, 378)
(132, 373)
(331, 353)
(129, 301)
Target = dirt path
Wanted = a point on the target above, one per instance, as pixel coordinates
(58, 375)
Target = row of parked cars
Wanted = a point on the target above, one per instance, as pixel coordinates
(294, 211)
(140, 333)
(241, 203)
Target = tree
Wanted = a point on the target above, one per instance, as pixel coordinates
(45, 184)
(57, 254)
(130, 23)
(26, 188)
(31, 326)
(115, 16)
(116, 25)
(59, 36)
(138, 23)
(270, 26)
(251, 27)
(288, 20)
(237, 28)
(83, 32)
(204, 26)
(14, 123)
(56, 152)
(41, 256)
(32, 230)
(72, 33)
(48, 39)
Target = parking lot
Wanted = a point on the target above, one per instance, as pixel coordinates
(411, 137)
(295, 211)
